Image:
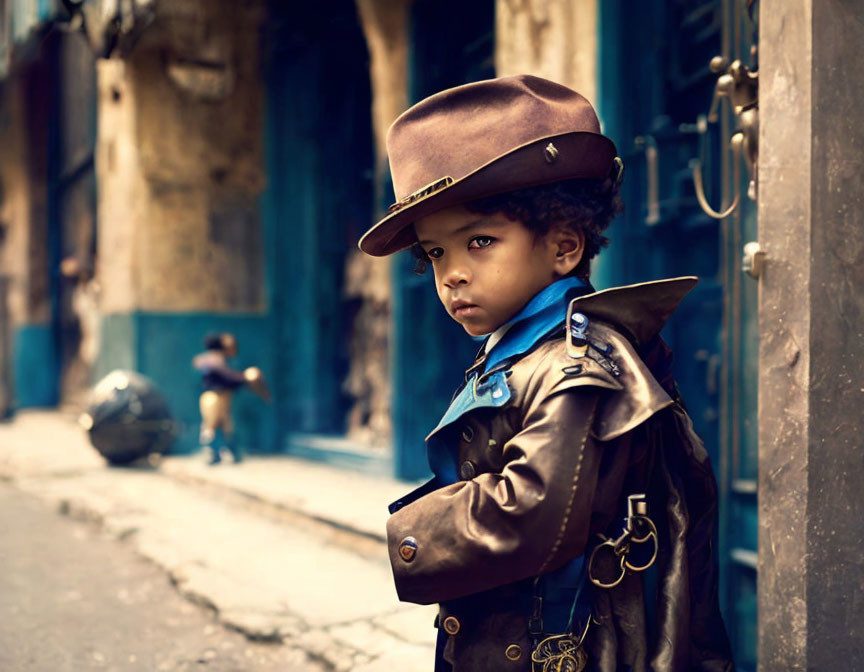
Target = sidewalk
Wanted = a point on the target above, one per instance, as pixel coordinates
(281, 548)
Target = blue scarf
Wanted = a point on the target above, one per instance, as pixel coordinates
(540, 315)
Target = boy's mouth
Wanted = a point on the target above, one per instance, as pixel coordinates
(463, 308)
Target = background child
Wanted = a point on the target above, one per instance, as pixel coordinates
(565, 467)
(219, 381)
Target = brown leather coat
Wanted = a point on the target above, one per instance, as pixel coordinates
(544, 474)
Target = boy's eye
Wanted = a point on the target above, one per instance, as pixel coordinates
(480, 241)
(435, 253)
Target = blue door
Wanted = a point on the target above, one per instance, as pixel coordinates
(318, 203)
(431, 351)
(655, 82)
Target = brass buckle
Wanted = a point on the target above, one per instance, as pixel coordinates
(421, 193)
(620, 548)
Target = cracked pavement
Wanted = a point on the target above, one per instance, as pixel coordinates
(251, 544)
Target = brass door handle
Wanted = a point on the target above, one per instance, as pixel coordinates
(740, 86)
(735, 143)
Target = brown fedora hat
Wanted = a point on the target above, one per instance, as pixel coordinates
(486, 138)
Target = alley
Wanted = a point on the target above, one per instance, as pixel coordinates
(73, 599)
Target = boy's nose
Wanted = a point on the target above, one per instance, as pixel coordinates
(455, 275)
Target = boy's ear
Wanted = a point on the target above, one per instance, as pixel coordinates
(567, 246)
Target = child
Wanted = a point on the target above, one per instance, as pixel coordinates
(219, 381)
(565, 469)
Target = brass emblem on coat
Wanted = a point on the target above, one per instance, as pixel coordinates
(559, 653)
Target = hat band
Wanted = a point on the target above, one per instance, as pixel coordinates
(423, 192)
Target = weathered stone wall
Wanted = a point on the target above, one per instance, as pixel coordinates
(15, 234)
(179, 163)
(14, 200)
(555, 39)
(385, 25)
(811, 321)
(123, 194)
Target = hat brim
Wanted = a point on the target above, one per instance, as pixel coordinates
(581, 155)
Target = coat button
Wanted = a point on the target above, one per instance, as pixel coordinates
(408, 549)
(451, 625)
(513, 652)
(467, 470)
(467, 433)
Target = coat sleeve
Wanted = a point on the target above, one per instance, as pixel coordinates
(498, 528)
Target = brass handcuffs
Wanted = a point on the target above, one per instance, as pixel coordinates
(638, 529)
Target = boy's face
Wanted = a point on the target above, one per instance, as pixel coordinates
(487, 267)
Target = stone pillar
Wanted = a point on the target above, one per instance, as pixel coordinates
(385, 25)
(555, 39)
(122, 189)
(23, 197)
(811, 324)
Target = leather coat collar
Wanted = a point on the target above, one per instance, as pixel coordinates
(489, 389)
(638, 311)
(539, 316)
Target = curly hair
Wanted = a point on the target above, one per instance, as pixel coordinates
(588, 206)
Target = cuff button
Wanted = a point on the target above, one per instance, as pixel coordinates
(452, 625)
(408, 549)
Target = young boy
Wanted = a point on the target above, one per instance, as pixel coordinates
(566, 470)
(220, 381)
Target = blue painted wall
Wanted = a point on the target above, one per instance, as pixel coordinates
(320, 167)
(162, 345)
(34, 357)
